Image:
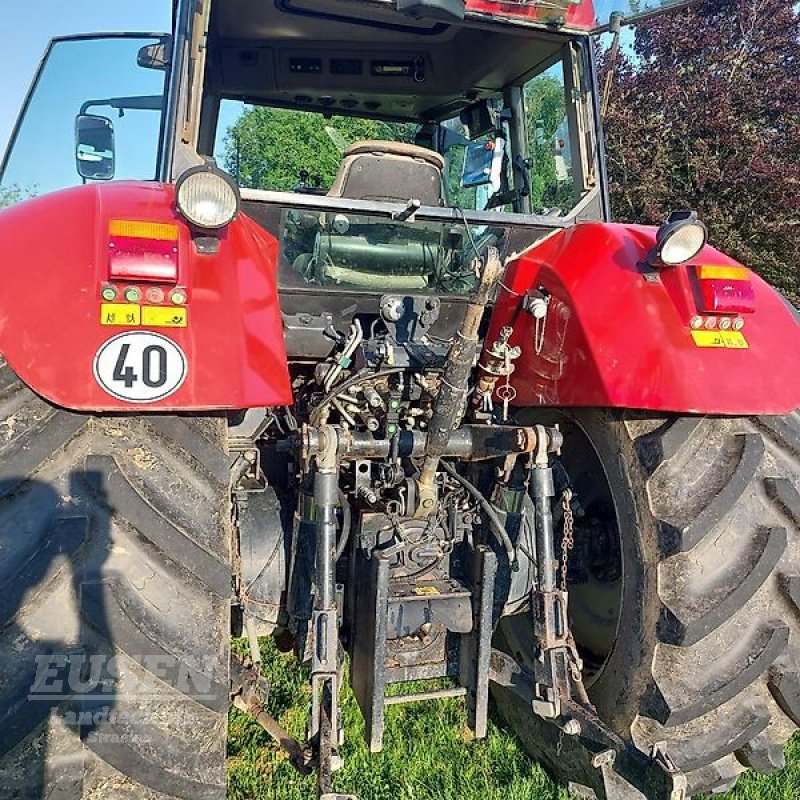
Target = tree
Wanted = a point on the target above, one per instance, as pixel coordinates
(10, 195)
(266, 148)
(545, 112)
(705, 114)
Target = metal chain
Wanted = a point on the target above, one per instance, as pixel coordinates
(567, 543)
(540, 311)
(568, 539)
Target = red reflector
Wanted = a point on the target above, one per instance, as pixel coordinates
(725, 296)
(137, 259)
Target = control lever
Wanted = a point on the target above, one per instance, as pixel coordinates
(412, 206)
(309, 184)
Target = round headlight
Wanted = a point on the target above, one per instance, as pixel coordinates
(207, 197)
(680, 238)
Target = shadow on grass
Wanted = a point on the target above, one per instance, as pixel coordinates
(427, 753)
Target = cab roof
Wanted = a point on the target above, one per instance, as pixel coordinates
(355, 57)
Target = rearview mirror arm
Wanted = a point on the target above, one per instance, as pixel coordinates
(140, 103)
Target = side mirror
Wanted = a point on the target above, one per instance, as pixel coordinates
(154, 56)
(94, 147)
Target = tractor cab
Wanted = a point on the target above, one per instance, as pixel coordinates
(415, 142)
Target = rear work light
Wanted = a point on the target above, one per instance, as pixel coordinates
(725, 290)
(678, 240)
(207, 197)
(143, 251)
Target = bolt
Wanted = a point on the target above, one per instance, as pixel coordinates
(427, 502)
(373, 398)
(368, 494)
(572, 727)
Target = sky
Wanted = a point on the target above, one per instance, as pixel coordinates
(30, 24)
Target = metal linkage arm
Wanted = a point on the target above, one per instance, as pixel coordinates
(324, 724)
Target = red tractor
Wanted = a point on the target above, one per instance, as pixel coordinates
(436, 417)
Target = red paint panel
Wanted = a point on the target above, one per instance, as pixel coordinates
(578, 15)
(614, 338)
(55, 258)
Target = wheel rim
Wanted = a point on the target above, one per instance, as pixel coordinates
(595, 575)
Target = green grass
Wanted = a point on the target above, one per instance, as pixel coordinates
(427, 754)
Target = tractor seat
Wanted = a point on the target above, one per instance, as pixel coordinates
(390, 171)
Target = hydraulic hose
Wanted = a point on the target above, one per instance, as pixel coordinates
(363, 375)
(495, 523)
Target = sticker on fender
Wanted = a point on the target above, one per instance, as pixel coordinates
(140, 367)
(733, 340)
(120, 314)
(164, 317)
(132, 315)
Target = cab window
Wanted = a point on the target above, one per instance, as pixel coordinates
(549, 138)
(88, 81)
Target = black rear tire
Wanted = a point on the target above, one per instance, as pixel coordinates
(706, 627)
(115, 567)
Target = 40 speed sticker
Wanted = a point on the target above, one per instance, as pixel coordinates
(140, 367)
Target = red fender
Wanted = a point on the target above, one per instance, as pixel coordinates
(616, 337)
(55, 260)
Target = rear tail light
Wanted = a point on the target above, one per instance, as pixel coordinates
(725, 290)
(143, 251)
